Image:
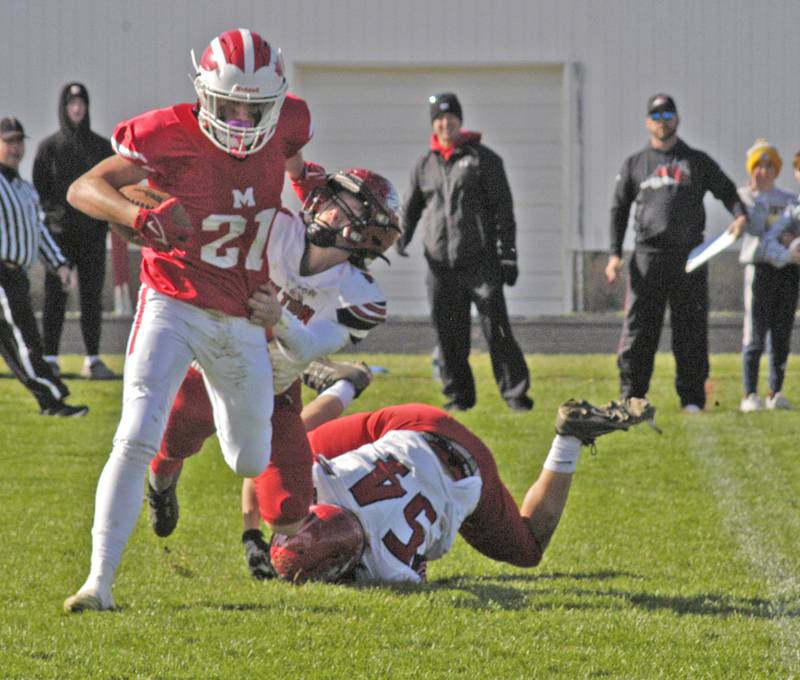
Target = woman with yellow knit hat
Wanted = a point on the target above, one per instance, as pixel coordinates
(770, 278)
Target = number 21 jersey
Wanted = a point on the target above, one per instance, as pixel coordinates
(231, 202)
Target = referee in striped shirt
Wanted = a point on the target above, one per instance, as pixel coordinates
(22, 236)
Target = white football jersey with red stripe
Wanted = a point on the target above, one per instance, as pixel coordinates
(231, 202)
(343, 294)
(409, 507)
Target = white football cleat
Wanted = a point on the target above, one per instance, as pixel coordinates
(778, 401)
(89, 600)
(752, 402)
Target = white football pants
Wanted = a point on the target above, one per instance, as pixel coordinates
(166, 336)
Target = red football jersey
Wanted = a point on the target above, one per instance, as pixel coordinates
(230, 201)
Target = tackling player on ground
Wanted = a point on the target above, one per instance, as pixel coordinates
(222, 160)
(395, 486)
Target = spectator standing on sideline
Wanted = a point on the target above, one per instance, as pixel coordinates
(22, 237)
(61, 159)
(666, 182)
(460, 193)
(770, 277)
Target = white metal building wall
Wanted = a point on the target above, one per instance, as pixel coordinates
(377, 117)
(729, 63)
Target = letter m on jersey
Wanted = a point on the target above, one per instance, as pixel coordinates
(244, 198)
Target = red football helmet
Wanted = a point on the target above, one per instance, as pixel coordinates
(239, 67)
(327, 547)
(368, 234)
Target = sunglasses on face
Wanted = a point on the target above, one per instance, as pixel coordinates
(662, 115)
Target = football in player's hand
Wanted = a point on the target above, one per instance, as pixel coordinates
(146, 196)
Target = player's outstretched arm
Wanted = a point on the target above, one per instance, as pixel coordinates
(337, 383)
(544, 503)
(578, 423)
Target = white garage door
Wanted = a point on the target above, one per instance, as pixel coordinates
(378, 118)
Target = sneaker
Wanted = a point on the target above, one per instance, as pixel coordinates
(98, 371)
(584, 421)
(524, 403)
(456, 405)
(164, 509)
(752, 402)
(692, 408)
(62, 410)
(778, 401)
(324, 373)
(89, 600)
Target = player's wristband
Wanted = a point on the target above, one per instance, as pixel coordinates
(343, 390)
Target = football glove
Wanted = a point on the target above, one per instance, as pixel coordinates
(256, 553)
(158, 227)
(509, 272)
(313, 177)
(324, 373)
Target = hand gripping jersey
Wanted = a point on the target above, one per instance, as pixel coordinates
(340, 304)
(408, 505)
(231, 202)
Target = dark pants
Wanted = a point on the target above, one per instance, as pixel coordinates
(770, 300)
(658, 279)
(20, 343)
(451, 294)
(87, 251)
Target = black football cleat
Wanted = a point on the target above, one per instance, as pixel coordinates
(585, 421)
(164, 508)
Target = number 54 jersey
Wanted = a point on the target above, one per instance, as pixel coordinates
(231, 202)
(409, 507)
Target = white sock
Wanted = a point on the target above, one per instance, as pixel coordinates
(118, 502)
(563, 455)
(91, 360)
(52, 358)
(343, 390)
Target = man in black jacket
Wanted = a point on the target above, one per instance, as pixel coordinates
(460, 193)
(666, 182)
(61, 159)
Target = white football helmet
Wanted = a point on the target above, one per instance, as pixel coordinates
(239, 67)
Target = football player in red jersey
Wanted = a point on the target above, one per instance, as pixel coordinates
(353, 215)
(396, 485)
(222, 160)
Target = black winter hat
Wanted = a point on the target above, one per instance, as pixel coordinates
(446, 102)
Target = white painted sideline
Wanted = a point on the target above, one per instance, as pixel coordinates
(769, 564)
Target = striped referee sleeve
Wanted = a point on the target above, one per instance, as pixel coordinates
(23, 235)
(49, 249)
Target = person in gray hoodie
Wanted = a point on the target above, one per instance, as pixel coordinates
(62, 158)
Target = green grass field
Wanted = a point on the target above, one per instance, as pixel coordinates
(677, 556)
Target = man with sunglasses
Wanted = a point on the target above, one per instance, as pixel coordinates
(666, 181)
